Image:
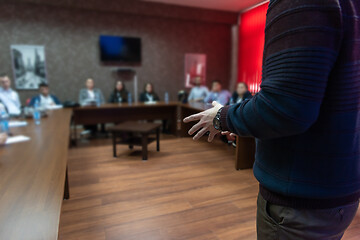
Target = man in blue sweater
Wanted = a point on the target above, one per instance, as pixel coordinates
(306, 120)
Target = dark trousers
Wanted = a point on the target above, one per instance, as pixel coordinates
(275, 222)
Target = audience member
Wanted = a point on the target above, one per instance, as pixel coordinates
(120, 94)
(241, 94)
(217, 94)
(198, 93)
(149, 95)
(45, 99)
(9, 97)
(90, 95)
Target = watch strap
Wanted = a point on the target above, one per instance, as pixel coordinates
(217, 120)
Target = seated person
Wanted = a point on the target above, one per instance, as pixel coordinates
(241, 94)
(45, 99)
(120, 94)
(217, 94)
(199, 92)
(90, 95)
(149, 95)
(9, 97)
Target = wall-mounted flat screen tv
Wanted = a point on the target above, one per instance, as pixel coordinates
(120, 50)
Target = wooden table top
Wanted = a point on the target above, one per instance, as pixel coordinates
(194, 105)
(32, 173)
(32, 176)
(139, 127)
(199, 106)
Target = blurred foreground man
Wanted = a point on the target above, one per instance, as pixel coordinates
(9, 97)
(306, 120)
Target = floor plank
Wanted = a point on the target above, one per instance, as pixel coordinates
(189, 190)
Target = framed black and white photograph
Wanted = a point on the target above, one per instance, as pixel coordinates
(28, 66)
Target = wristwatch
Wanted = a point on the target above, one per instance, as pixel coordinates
(217, 121)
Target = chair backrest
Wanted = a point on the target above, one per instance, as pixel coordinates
(28, 101)
(182, 96)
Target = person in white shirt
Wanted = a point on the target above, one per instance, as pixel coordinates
(45, 99)
(9, 97)
(198, 93)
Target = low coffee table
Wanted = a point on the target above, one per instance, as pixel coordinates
(131, 128)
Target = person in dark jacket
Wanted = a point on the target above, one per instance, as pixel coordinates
(305, 119)
(241, 94)
(120, 94)
(45, 99)
(149, 95)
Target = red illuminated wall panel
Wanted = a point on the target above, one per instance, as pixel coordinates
(251, 46)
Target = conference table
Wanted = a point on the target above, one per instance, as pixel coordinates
(33, 174)
(32, 179)
(120, 112)
(172, 112)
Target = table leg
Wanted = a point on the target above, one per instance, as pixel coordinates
(130, 135)
(114, 144)
(66, 186)
(158, 139)
(144, 146)
(75, 135)
(174, 122)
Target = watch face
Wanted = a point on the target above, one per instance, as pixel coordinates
(216, 123)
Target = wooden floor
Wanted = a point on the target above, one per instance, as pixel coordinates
(189, 190)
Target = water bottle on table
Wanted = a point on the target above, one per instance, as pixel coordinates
(4, 121)
(98, 102)
(166, 98)
(37, 113)
(129, 99)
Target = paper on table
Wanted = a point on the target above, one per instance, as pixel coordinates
(16, 139)
(17, 123)
(150, 102)
(54, 107)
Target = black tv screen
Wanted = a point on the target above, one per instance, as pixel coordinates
(122, 50)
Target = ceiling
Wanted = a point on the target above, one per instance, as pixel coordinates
(225, 5)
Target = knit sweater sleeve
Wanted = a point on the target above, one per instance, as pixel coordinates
(302, 41)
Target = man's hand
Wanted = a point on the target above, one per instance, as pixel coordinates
(230, 136)
(205, 123)
(3, 137)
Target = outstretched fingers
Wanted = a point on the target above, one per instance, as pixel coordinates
(211, 136)
(200, 133)
(196, 127)
(195, 117)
